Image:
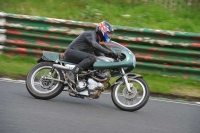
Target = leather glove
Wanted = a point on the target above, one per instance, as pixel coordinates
(113, 55)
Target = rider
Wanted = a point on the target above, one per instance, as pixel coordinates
(80, 50)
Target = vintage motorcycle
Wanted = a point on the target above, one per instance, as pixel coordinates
(129, 91)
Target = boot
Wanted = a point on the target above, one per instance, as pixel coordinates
(71, 74)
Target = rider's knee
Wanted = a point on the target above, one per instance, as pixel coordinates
(92, 58)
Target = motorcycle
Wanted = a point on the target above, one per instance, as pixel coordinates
(129, 91)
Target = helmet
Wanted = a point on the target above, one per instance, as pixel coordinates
(105, 31)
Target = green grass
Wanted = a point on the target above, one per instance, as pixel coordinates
(172, 85)
(15, 67)
(142, 14)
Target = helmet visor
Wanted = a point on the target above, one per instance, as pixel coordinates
(108, 36)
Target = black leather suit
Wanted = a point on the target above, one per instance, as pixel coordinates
(81, 51)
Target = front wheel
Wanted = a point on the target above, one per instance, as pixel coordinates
(130, 101)
(40, 83)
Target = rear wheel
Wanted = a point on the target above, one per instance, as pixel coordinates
(130, 101)
(40, 84)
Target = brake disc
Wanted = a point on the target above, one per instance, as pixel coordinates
(46, 82)
(130, 95)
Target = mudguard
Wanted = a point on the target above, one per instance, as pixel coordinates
(118, 80)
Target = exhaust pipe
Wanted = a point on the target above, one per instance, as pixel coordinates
(66, 67)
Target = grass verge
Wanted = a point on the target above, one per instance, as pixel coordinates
(17, 67)
(135, 13)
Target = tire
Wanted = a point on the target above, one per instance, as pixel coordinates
(130, 98)
(40, 88)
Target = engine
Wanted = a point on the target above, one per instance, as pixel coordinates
(102, 74)
(95, 84)
(91, 84)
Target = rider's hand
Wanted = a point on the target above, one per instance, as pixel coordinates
(113, 55)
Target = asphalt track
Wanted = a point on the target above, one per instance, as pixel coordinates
(21, 113)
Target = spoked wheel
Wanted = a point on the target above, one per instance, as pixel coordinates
(40, 83)
(130, 101)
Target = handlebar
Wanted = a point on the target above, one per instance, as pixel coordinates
(120, 57)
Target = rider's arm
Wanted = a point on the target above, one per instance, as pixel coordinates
(92, 40)
(97, 53)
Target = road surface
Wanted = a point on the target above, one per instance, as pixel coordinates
(21, 113)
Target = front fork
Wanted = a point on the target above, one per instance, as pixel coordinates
(125, 79)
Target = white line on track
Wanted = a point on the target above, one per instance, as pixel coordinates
(12, 81)
(154, 99)
(181, 102)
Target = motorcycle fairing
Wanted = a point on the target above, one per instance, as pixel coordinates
(128, 62)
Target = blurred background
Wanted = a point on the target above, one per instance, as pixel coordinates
(179, 15)
(175, 15)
